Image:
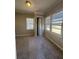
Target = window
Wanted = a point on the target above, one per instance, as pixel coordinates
(57, 20)
(47, 23)
(29, 23)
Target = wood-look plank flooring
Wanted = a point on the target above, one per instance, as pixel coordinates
(36, 48)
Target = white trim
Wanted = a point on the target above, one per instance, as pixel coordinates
(24, 35)
(54, 43)
(20, 35)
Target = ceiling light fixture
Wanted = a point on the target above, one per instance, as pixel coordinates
(28, 3)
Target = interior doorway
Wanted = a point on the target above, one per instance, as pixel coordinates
(39, 26)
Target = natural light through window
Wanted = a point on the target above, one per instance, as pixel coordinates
(57, 20)
(47, 23)
(29, 23)
(56, 31)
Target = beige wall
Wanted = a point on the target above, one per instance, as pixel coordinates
(20, 24)
(52, 36)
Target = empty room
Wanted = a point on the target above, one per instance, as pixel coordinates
(39, 29)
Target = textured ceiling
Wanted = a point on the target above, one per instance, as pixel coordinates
(38, 6)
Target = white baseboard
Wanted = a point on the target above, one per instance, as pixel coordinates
(25, 35)
(54, 43)
(20, 35)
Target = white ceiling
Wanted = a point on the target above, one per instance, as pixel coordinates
(40, 6)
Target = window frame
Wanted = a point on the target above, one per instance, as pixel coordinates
(46, 19)
(31, 25)
(59, 24)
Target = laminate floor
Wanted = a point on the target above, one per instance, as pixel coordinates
(36, 48)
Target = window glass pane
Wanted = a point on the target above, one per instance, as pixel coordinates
(29, 23)
(58, 15)
(56, 31)
(47, 23)
(56, 27)
(47, 27)
(57, 20)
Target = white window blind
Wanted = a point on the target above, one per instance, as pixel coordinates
(57, 20)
